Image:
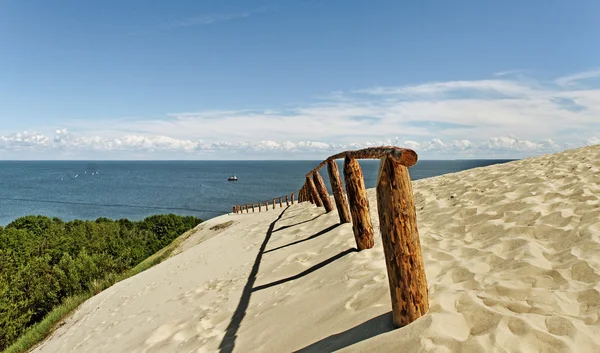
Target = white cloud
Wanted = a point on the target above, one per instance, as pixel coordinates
(593, 141)
(571, 80)
(207, 19)
(458, 118)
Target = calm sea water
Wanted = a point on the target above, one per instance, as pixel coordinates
(137, 189)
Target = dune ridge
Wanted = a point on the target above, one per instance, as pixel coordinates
(510, 252)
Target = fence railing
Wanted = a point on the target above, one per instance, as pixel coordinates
(259, 206)
(397, 219)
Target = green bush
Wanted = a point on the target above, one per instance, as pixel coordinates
(44, 261)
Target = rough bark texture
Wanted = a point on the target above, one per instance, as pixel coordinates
(401, 245)
(404, 156)
(338, 191)
(359, 204)
(322, 190)
(313, 192)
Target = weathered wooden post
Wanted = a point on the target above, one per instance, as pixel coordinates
(293, 198)
(274, 203)
(280, 202)
(259, 207)
(234, 209)
(287, 200)
(322, 190)
(247, 209)
(338, 191)
(253, 207)
(401, 244)
(267, 205)
(313, 192)
(359, 204)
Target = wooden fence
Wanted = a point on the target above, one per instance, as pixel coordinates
(397, 219)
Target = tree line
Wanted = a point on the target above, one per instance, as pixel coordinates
(45, 260)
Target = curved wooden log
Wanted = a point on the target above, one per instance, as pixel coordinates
(359, 204)
(401, 244)
(313, 192)
(322, 190)
(404, 156)
(338, 191)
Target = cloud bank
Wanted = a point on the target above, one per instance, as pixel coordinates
(489, 118)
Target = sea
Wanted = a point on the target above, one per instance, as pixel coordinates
(137, 189)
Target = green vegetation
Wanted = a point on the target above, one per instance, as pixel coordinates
(48, 267)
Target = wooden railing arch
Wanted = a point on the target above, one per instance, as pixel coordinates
(397, 219)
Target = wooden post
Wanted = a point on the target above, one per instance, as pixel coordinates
(322, 190)
(293, 198)
(401, 244)
(247, 209)
(287, 200)
(313, 192)
(338, 191)
(234, 209)
(280, 202)
(359, 204)
(259, 207)
(267, 205)
(253, 207)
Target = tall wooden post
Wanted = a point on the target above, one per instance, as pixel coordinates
(293, 198)
(313, 192)
(359, 204)
(280, 203)
(259, 207)
(322, 190)
(338, 191)
(253, 207)
(247, 209)
(234, 209)
(267, 205)
(273, 203)
(287, 200)
(401, 244)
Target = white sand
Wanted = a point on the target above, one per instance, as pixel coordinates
(512, 254)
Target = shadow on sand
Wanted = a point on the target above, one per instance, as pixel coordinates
(228, 343)
(307, 271)
(293, 225)
(368, 329)
(309, 238)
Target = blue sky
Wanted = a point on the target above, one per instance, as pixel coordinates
(296, 79)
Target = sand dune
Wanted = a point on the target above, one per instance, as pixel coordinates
(511, 253)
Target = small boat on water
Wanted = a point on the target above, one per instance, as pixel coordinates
(232, 178)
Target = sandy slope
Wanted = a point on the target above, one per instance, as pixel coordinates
(512, 254)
